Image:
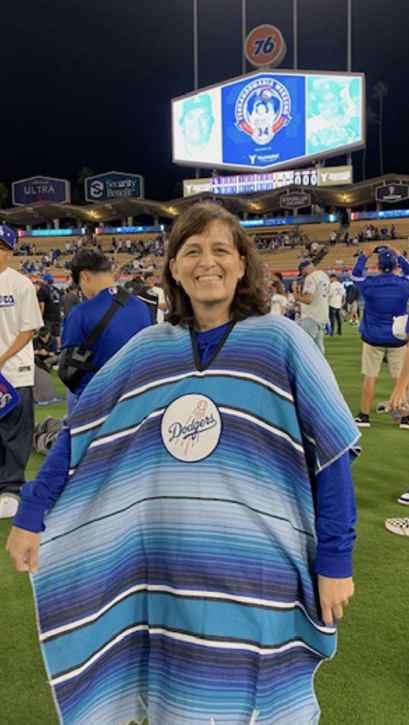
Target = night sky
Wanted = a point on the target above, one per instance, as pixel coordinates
(90, 83)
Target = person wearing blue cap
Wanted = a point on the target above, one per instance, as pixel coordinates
(386, 296)
(20, 317)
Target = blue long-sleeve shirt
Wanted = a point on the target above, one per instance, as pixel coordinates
(334, 493)
(386, 296)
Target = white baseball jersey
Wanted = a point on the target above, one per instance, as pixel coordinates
(19, 312)
(336, 295)
(158, 291)
(316, 284)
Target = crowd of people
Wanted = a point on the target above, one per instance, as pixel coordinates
(230, 408)
(368, 233)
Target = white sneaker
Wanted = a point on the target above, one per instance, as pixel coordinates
(404, 499)
(8, 505)
(398, 526)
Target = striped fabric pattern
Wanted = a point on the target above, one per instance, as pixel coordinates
(184, 591)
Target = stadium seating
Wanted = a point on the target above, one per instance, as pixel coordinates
(342, 256)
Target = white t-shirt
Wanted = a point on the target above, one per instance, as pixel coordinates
(278, 304)
(158, 291)
(316, 284)
(19, 312)
(336, 295)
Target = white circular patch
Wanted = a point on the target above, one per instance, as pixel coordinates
(191, 428)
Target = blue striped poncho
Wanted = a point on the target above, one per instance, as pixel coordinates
(176, 578)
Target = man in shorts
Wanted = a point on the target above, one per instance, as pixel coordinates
(386, 295)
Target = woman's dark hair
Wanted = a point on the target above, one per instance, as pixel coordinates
(89, 260)
(249, 299)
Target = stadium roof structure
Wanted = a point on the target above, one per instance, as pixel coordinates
(353, 195)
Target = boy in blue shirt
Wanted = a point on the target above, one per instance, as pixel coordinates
(91, 271)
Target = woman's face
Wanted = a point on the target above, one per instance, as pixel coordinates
(208, 266)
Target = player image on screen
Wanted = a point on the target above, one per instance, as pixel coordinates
(196, 122)
(333, 113)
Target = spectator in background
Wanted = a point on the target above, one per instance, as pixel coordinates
(50, 306)
(151, 299)
(336, 302)
(314, 299)
(45, 349)
(71, 299)
(157, 290)
(20, 317)
(91, 271)
(386, 296)
(279, 302)
(352, 299)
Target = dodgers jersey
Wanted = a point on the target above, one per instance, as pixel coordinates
(19, 312)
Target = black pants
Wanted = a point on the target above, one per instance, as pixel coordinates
(16, 440)
(335, 316)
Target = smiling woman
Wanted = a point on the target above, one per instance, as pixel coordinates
(197, 550)
(212, 272)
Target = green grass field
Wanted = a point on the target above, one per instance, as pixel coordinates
(367, 683)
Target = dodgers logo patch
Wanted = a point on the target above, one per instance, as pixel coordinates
(191, 428)
(262, 109)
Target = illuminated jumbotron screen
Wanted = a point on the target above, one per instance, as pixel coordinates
(269, 120)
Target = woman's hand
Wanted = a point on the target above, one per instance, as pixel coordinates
(334, 597)
(23, 547)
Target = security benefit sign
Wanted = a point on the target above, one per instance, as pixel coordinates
(269, 119)
(392, 193)
(40, 188)
(113, 185)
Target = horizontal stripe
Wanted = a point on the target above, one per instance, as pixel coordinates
(176, 498)
(103, 440)
(209, 373)
(87, 426)
(185, 593)
(125, 432)
(176, 378)
(180, 636)
(262, 424)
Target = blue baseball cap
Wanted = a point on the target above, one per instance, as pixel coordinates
(8, 236)
(304, 264)
(387, 260)
(48, 278)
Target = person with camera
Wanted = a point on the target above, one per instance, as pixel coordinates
(386, 296)
(89, 341)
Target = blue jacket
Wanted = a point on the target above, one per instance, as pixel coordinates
(386, 296)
